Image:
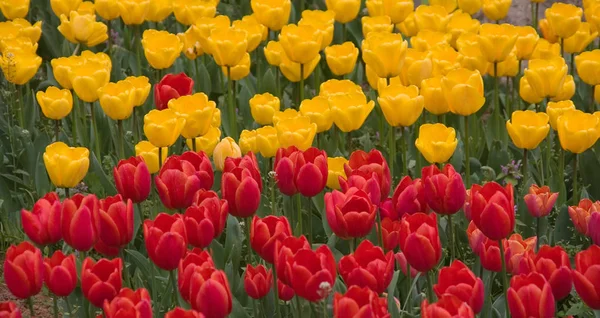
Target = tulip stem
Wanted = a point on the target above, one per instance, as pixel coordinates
(56, 129)
(231, 106)
(410, 282)
(562, 47)
(535, 21)
(160, 150)
(121, 139)
(299, 208)
(496, 100)
(349, 142)
(592, 101)
(276, 290)
(68, 303)
(451, 237)
(380, 232)
(96, 136)
(575, 181)
(404, 143)
(248, 222)
(538, 230)
(67, 194)
(30, 305)
(301, 84)
(125, 273)
(273, 200)
(467, 155)
(194, 144)
(392, 149)
(504, 276)
(298, 306)
(344, 35)
(173, 278)
(136, 131)
(138, 51)
(572, 68)
(429, 287)
(524, 169)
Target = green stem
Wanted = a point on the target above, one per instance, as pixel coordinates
(537, 10)
(197, 72)
(273, 198)
(351, 245)
(429, 288)
(392, 148)
(231, 106)
(138, 48)
(410, 288)
(68, 303)
(248, 229)
(96, 135)
(592, 101)
(562, 47)
(255, 307)
(276, 291)
(194, 144)
(349, 142)
(451, 237)
(135, 129)
(299, 210)
(467, 155)
(380, 234)
(125, 273)
(109, 29)
(20, 111)
(301, 84)
(30, 306)
(572, 67)
(160, 155)
(525, 168)
(310, 222)
(67, 194)
(277, 82)
(121, 138)
(298, 307)
(258, 70)
(575, 180)
(56, 129)
(344, 33)
(140, 213)
(548, 157)
(538, 230)
(404, 144)
(325, 313)
(173, 278)
(504, 277)
(510, 96)
(496, 99)
(597, 313)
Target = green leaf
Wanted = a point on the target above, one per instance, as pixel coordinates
(392, 308)
(108, 188)
(238, 310)
(141, 262)
(268, 84)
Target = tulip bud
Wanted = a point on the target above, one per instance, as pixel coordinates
(42, 224)
(257, 281)
(368, 267)
(166, 240)
(101, 281)
(127, 301)
(23, 270)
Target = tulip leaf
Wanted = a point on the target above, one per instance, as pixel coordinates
(392, 306)
(234, 241)
(203, 78)
(268, 84)
(590, 174)
(108, 188)
(563, 229)
(499, 306)
(218, 254)
(238, 310)
(142, 262)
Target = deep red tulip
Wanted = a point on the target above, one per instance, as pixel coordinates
(447, 305)
(476, 237)
(42, 224)
(132, 179)
(285, 251)
(171, 86)
(210, 294)
(303, 172)
(181, 177)
(554, 264)
(369, 185)
(493, 209)
(78, 222)
(530, 295)
(581, 214)
(8, 309)
(387, 210)
(404, 266)
(359, 302)
(23, 270)
(540, 201)
(257, 281)
(129, 303)
(266, 232)
(241, 191)
(390, 231)
(594, 227)
(409, 197)
(368, 267)
(313, 273)
(115, 222)
(487, 250)
(285, 292)
(205, 219)
(248, 161)
(196, 260)
(444, 190)
(515, 248)
(350, 214)
(420, 241)
(166, 240)
(458, 280)
(60, 274)
(101, 280)
(179, 312)
(585, 276)
(364, 164)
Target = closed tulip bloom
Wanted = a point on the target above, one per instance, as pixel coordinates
(461, 23)
(458, 280)
(65, 165)
(540, 201)
(197, 111)
(267, 141)
(369, 184)
(161, 48)
(470, 56)
(350, 214)
(397, 10)
(172, 86)
(449, 5)
(192, 48)
(301, 43)
(24, 270)
(178, 312)
(60, 274)
(159, 10)
(263, 107)
(188, 11)
(545, 50)
(432, 17)
(101, 280)
(547, 32)
(557, 109)
(507, 68)
(206, 142)
(554, 264)
(359, 302)
(334, 87)
(436, 142)
(345, 10)
(381, 23)
(527, 129)
(577, 131)
(581, 214)
(292, 70)
(444, 191)
(254, 32)
(21, 28)
(82, 28)
(401, 105)
(115, 222)
(132, 179)
(530, 296)
(390, 233)
(312, 273)
(166, 240)
(493, 202)
(350, 111)
(581, 39)
(87, 79)
(496, 9)
(335, 170)
(19, 67)
(257, 281)
(366, 163)
(60, 7)
(368, 267)
(426, 40)
(239, 71)
(588, 67)
(210, 293)
(322, 22)
(226, 148)
(163, 127)
(385, 53)
(469, 6)
(497, 41)
(227, 46)
(205, 219)
(448, 305)
(567, 91)
(527, 93)
(55, 103)
(107, 9)
(564, 19)
(149, 154)
(79, 221)
(247, 141)
(42, 223)
(298, 132)
(420, 241)
(587, 262)
(239, 186)
(14, 9)
(526, 41)
(62, 66)
(273, 53)
(273, 14)
(116, 99)
(408, 27)
(463, 90)
(341, 58)
(301, 171)
(196, 260)
(433, 97)
(127, 301)
(266, 233)
(319, 112)
(133, 12)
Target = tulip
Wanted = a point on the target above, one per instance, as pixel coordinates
(390, 233)
(546, 77)
(335, 166)
(408, 27)
(159, 10)
(24, 270)
(580, 40)
(263, 107)
(449, 5)
(409, 197)
(257, 281)
(401, 105)
(207, 142)
(188, 11)
(19, 67)
(197, 111)
(493, 202)
(368, 267)
(312, 273)
(241, 190)
(319, 112)
(444, 191)
(345, 10)
(426, 40)
(398, 11)
(385, 53)
(133, 12)
(448, 305)
(554, 264)
(115, 222)
(42, 224)
(178, 312)
(163, 127)
(545, 50)
(8, 309)
(65, 165)
(292, 70)
(87, 79)
(226, 148)
(581, 214)
(365, 164)
(586, 263)
(359, 302)
(266, 233)
(322, 22)
(55, 103)
(527, 94)
(82, 28)
(577, 131)
(526, 41)
(161, 48)
(458, 280)
(341, 58)
(273, 14)
(254, 31)
(284, 256)
(420, 242)
(132, 179)
(587, 67)
(298, 132)
(101, 280)
(432, 17)
(303, 172)
(196, 260)
(487, 250)
(540, 201)
(192, 48)
(530, 296)
(60, 274)
(527, 129)
(417, 67)
(247, 141)
(239, 71)
(433, 97)
(557, 109)
(107, 9)
(567, 91)
(273, 53)
(205, 219)
(436, 142)
(463, 90)
(334, 87)
(14, 9)
(350, 111)
(496, 9)
(127, 301)
(227, 46)
(445, 59)
(497, 41)
(267, 142)
(469, 6)
(350, 214)
(141, 89)
(166, 240)
(210, 293)
(564, 19)
(301, 43)
(170, 87)
(79, 221)
(149, 154)
(116, 99)
(368, 184)
(381, 23)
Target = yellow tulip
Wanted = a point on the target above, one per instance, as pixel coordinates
(55, 103)
(319, 112)
(60, 7)
(18, 46)
(87, 79)
(191, 42)
(466, 40)
(546, 77)
(107, 9)
(547, 32)
(497, 41)
(19, 68)
(322, 21)
(449, 5)
(161, 48)
(408, 27)
(567, 91)
(292, 70)
(188, 11)
(592, 15)
(417, 67)
(461, 23)
(341, 58)
(469, 6)
(527, 129)
(381, 23)
(385, 53)
(159, 10)
(577, 131)
(350, 111)
(496, 9)
(299, 132)
(588, 67)
(226, 148)
(334, 87)
(433, 96)
(62, 66)
(66, 166)
(197, 111)
(436, 142)
(267, 141)
(163, 127)
(597, 93)
(463, 91)
(227, 46)
(470, 57)
(100, 57)
(253, 20)
(401, 105)
(581, 39)
(83, 29)
(375, 81)
(289, 113)
(564, 19)
(140, 90)
(254, 32)
(426, 40)
(301, 43)
(527, 39)
(444, 59)
(206, 25)
(263, 107)
(14, 9)
(557, 109)
(87, 7)
(206, 142)
(133, 12)
(238, 71)
(508, 67)
(273, 14)
(434, 18)
(216, 121)
(345, 10)
(397, 10)
(335, 167)
(273, 52)
(149, 153)
(20, 28)
(116, 99)
(527, 93)
(247, 141)
(545, 50)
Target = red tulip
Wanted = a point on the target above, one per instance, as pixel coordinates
(205, 219)
(172, 86)
(303, 172)
(404, 266)
(179, 312)
(115, 222)
(487, 250)
(285, 292)
(476, 237)
(540, 201)
(409, 197)
(266, 232)
(166, 240)
(8, 309)
(23, 270)
(129, 303)
(420, 241)
(350, 214)
(101, 280)
(447, 305)
(369, 185)
(285, 251)
(387, 210)
(196, 260)
(359, 302)
(458, 280)
(390, 231)
(241, 191)
(554, 264)
(515, 248)
(368, 267)
(585, 276)
(257, 281)
(493, 209)
(42, 224)
(581, 214)
(313, 273)
(530, 296)
(444, 190)
(78, 223)
(60, 274)
(364, 164)
(181, 177)
(248, 161)
(132, 179)
(210, 294)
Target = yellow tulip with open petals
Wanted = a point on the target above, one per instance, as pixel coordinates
(133, 12)
(191, 42)
(322, 21)
(547, 32)
(497, 41)
(577, 131)
(159, 10)
(581, 39)
(60, 7)
(14, 9)
(341, 58)
(163, 127)
(188, 11)
(545, 50)
(384, 53)
(301, 43)
(335, 167)
(83, 28)
(263, 107)
(345, 10)
(434, 18)
(567, 91)
(62, 66)
(463, 90)
(299, 132)
(205, 26)
(87, 79)
(254, 32)
(469, 6)
(334, 87)
(470, 57)
(116, 99)
(527, 39)
(141, 89)
(564, 19)
(350, 111)
(444, 59)
(527, 93)
(247, 141)
(588, 67)
(426, 40)
(197, 111)
(401, 105)
(227, 46)
(496, 9)
(20, 28)
(267, 141)
(461, 23)
(557, 109)
(107, 9)
(436, 142)
(381, 23)
(408, 27)
(161, 48)
(397, 10)
(319, 112)
(527, 129)
(55, 103)
(289, 113)
(66, 166)
(206, 142)
(433, 96)
(18, 45)
(546, 77)
(273, 14)
(149, 154)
